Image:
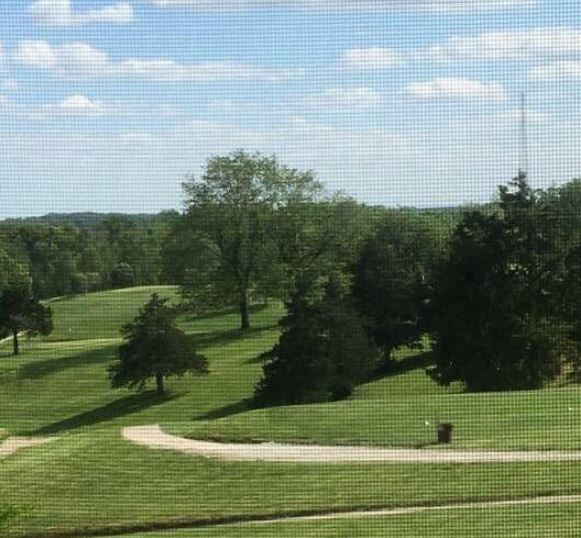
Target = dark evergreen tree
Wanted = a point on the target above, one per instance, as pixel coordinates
(154, 347)
(495, 317)
(323, 352)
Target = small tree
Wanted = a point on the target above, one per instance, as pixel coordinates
(122, 276)
(20, 311)
(154, 347)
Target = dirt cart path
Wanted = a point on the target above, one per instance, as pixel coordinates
(153, 437)
(13, 444)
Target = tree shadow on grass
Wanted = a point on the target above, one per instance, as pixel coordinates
(254, 309)
(210, 339)
(38, 369)
(227, 410)
(110, 411)
(408, 364)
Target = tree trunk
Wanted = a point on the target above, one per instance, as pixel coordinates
(159, 383)
(244, 312)
(15, 346)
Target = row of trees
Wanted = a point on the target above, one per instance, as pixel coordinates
(71, 254)
(353, 277)
(496, 287)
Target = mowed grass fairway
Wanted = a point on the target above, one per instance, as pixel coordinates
(91, 477)
(519, 522)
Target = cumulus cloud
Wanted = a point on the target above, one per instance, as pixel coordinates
(82, 60)
(345, 5)
(61, 13)
(532, 44)
(370, 58)
(79, 104)
(557, 70)
(455, 88)
(346, 98)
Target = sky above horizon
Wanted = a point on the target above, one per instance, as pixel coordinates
(107, 105)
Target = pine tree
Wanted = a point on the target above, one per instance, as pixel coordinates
(154, 347)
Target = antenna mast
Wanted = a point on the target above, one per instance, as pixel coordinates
(523, 158)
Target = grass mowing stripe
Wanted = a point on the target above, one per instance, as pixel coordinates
(297, 516)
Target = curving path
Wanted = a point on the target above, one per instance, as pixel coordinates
(13, 444)
(153, 437)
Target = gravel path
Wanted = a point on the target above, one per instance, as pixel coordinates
(555, 499)
(154, 437)
(12, 444)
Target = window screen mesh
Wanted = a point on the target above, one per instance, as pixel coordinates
(290, 268)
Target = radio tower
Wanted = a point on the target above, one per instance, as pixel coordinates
(523, 156)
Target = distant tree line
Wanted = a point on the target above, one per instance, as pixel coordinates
(71, 254)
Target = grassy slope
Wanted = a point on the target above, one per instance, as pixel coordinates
(403, 409)
(91, 476)
(520, 522)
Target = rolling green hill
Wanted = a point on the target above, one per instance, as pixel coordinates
(91, 477)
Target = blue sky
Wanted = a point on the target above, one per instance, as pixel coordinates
(106, 105)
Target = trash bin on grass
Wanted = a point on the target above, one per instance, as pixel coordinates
(445, 432)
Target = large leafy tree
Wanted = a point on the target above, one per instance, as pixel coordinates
(230, 210)
(324, 349)
(495, 314)
(391, 278)
(154, 347)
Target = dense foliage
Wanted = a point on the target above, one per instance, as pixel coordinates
(323, 352)
(154, 347)
(83, 253)
(392, 278)
(496, 323)
(497, 286)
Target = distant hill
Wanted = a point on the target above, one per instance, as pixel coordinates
(86, 219)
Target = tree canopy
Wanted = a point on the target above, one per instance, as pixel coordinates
(324, 349)
(154, 347)
(230, 210)
(495, 317)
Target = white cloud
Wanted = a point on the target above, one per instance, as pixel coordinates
(532, 44)
(79, 104)
(61, 13)
(82, 60)
(346, 98)
(346, 5)
(513, 117)
(455, 88)
(370, 58)
(557, 70)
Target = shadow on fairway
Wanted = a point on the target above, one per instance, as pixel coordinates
(415, 362)
(116, 409)
(254, 309)
(209, 339)
(38, 369)
(227, 410)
